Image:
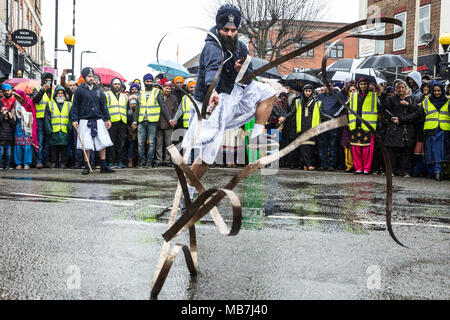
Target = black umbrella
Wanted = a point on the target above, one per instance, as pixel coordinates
(193, 68)
(270, 74)
(345, 65)
(386, 61)
(299, 79)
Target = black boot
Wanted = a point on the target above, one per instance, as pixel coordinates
(86, 170)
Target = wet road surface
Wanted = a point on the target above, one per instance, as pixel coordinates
(305, 235)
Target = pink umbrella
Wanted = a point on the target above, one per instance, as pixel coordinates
(15, 81)
(107, 75)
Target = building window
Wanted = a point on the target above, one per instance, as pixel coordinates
(309, 53)
(400, 43)
(337, 51)
(424, 22)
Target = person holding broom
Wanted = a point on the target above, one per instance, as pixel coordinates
(91, 119)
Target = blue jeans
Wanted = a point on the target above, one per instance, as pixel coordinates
(327, 148)
(7, 151)
(43, 153)
(147, 130)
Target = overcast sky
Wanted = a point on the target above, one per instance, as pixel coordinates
(125, 34)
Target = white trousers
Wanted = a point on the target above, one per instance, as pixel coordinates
(233, 111)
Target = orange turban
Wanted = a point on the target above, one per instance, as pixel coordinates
(178, 78)
(191, 84)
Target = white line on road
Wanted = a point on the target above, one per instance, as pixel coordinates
(362, 222)
(116, 203)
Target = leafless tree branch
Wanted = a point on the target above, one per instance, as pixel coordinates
(273, 26)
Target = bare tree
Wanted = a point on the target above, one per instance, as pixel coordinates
(272, 26)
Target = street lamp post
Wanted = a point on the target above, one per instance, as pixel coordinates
(444, 40)
(73, 52)
(81, 59)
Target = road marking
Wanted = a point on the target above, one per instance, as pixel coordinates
(362, 222)
(122, 204)
(116, 203)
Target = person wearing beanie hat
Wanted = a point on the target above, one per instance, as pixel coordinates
(365, 104)
(306, 110)
(231, 104)
(90, 116)
(116, 102)
(41, 96)
(151, 105)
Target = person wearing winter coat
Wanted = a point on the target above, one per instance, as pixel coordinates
(57, 127)
(7, 128)
(400, 118)
(25, 136)
(90, 116)
(131, 145)
(414, 80)
(117, 102)
(40, 97)
(328, 142)
(307, 116)
(365, 104)
(435, 109)
(165, 128)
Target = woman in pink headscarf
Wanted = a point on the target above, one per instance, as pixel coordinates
(24, 113)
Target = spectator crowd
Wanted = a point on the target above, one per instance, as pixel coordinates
(411, 117)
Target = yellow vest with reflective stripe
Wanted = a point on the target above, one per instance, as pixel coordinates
(435, 118)
(117, 108)
(40, 108)
(150, 106)
(369, 111)
(60, 119)
(315, 117)
(186, 106)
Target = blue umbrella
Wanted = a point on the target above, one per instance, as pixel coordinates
(170, 67)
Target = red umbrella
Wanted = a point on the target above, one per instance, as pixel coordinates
(107, 75)
(15, 81)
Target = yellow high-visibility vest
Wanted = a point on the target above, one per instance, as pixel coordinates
(315, 118)
(60, 119)
(40, 107)
(150, 106)
(369, 111)
(186, 106)
(435, 118)
(117, 108)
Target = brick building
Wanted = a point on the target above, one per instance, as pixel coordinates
(433, 20)
(16, 60)
(312, 59)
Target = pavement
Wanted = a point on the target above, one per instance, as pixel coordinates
(305, 235)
